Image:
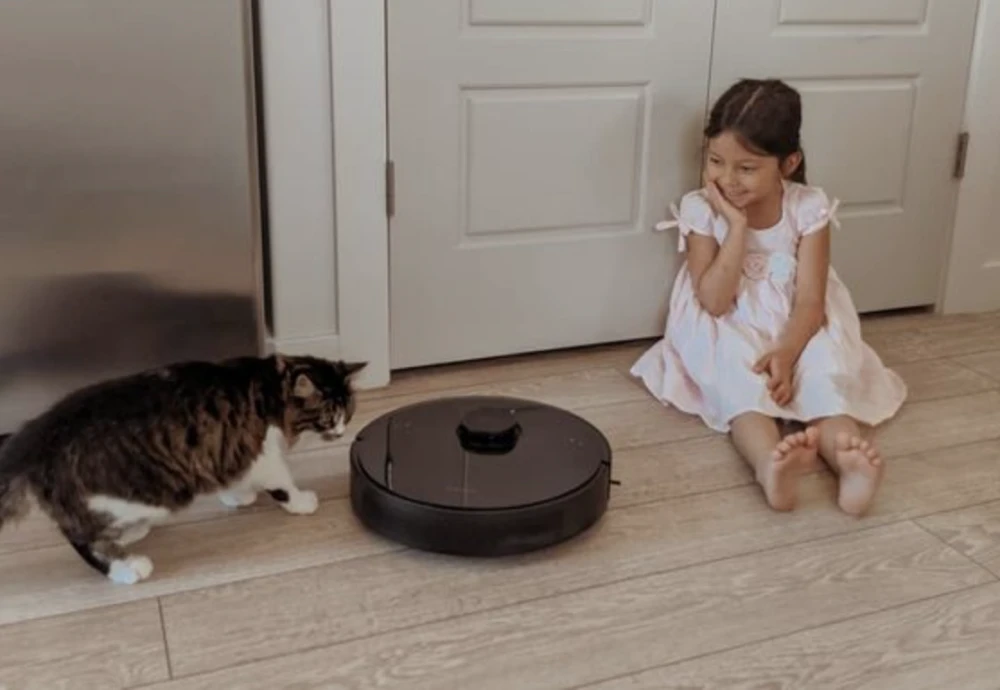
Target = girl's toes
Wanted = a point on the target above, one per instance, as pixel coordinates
(843, 440)
(811, 435)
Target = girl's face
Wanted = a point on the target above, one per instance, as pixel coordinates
(744, 177)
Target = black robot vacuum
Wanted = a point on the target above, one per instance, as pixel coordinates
(480, 476)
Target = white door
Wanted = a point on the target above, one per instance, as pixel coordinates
(974, 266)
(882, 115)
(535, 144)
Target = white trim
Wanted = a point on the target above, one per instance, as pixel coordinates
(295, 48)
(357, 31)
(323, 96)
(972, 281)
(327, 346)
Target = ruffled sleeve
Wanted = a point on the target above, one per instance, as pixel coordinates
(695, 215)
(815, 211)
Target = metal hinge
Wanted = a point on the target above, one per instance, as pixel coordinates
(960, 155)
(390, 188)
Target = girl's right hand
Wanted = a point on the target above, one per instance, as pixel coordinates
(778, 366)
(734, 216)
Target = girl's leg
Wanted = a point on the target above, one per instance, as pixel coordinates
(856, 461)
(777, 462)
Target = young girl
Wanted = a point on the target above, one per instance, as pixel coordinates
(760, 327)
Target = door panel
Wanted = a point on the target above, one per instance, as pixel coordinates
(882, 115)
(535, 145)
(558, 12)
(825, 12)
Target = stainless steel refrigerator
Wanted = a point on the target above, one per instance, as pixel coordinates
(129, 191)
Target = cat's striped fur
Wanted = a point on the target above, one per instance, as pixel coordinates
(112, 459)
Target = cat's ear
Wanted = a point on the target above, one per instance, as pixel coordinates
(304, 387)
(352, 368)
(279, 363)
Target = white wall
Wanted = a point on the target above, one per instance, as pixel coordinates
(973, 279)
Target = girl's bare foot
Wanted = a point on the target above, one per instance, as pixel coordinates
(792, 457)
(860, 467)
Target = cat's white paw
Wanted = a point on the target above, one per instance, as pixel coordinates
(301, 503)
(238, 499)
(130, 570)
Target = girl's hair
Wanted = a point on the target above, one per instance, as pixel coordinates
(765, 115)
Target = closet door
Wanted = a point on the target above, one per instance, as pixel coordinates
(534, 146)
(883, 84)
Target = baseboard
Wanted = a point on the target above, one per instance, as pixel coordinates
(973, 291)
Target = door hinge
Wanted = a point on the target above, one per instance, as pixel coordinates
(961, 154)
(390, 188)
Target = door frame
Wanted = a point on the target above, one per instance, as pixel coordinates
(351, 80)
(360, 134)
(324, 118)
(969, 285)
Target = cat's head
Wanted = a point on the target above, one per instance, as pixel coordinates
(318, 394)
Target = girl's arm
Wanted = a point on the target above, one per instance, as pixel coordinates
(716, 271)
(809, 307)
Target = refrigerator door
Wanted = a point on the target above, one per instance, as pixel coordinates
(129, 228)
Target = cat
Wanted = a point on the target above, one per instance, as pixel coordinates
(114, 458)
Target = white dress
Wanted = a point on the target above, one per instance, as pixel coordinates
(703, 364)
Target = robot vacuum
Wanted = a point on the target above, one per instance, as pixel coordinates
(480, 476)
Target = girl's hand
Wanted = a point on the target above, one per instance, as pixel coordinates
(735, 217)
(779, 366)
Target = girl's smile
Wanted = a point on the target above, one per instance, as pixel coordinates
(744, 177)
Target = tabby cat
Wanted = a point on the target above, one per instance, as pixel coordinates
(112, 459)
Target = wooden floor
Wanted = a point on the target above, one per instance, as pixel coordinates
(690, 581)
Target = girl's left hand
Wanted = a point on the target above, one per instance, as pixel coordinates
(779, 365)
(736, 218)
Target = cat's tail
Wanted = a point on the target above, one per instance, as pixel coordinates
(13, 499)
(13, 492)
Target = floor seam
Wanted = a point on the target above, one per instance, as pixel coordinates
(971, 559)
(613, 367)
(598, 585)
(846, 532)
(394, 549)
(383, 394)
(904, 457)
(889, 362)
(949, 511)
(166, 642)
(707, 432)
(787, 635)
(956, 361)
(611, 358)
(628, 448)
